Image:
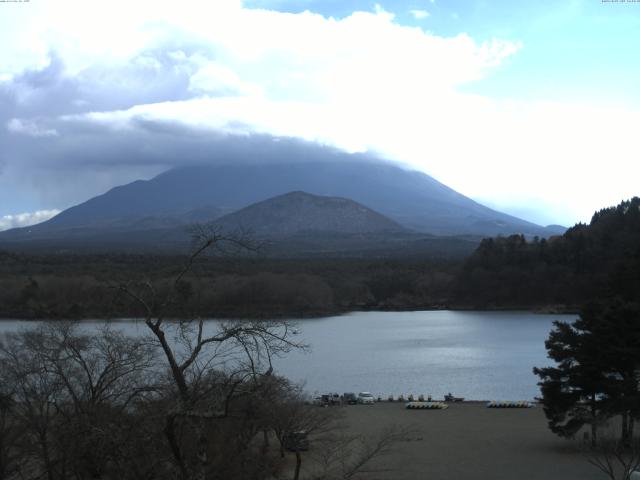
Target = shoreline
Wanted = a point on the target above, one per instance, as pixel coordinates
(542, 310)
(393, 353)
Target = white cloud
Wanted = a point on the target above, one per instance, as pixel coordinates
(360, 82)
(30, 128)
(336, 81)
(215, 79)
(261, 42)
(26, 219)
(419, 14)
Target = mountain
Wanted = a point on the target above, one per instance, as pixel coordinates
(298, 224)
(410, 198)
(297, 213)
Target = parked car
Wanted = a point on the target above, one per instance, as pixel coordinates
(365, 398)
(321, 401)
(327, 399)
(349, 398)
(296, 441)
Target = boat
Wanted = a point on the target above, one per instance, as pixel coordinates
(450, 398)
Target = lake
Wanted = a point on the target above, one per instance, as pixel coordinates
(476, 355)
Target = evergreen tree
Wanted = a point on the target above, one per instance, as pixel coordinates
(573, 392)
(615, 325)
(596, 377)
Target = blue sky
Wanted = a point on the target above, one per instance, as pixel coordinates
(572, 50)
(528, 107)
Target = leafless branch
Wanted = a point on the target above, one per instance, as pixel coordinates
(613, 457)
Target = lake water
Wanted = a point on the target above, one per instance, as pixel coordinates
(476, 355)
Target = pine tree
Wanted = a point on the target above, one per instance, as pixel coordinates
(596, 377)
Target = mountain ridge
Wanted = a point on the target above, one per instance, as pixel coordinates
(411, 198)
(154, 213)
(293, 225)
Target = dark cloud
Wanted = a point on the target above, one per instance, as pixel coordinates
(45, 77)
(40, 151)
(54, 154)
(87, 157)
(151, 76)
(45, 125)
(170, 144)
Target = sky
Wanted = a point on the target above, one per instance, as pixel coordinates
(532, 108)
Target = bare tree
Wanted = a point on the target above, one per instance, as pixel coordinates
(78, 406)
(193, 349)
(10, 435)
(72, 394)
(333, 453)
(35, 391)
(292, 419)
(615, 457)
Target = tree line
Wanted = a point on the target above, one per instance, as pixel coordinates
(561, 272)
(66, 286)
(588, 261)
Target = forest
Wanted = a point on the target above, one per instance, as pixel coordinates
(82, 286)
(600, 259)
(559, 273)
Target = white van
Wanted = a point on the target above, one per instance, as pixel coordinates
(365, 398)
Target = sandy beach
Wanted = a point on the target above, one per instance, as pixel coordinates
(468, 440)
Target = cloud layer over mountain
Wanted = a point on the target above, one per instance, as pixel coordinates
(92, 95)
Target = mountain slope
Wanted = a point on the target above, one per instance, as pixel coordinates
(296, 224)
(413, 199)
(302, 213)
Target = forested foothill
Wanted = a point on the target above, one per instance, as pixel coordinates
(601, 259)
(560, 273)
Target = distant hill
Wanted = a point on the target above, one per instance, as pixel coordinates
(296, 224)
(410, 198)
(302, 213)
